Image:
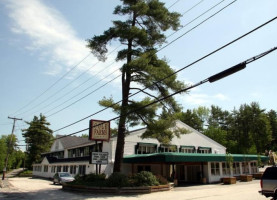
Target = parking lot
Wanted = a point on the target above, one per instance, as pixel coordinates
(29, 188)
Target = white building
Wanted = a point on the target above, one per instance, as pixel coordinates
(193, 157)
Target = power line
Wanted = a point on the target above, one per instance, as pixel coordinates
(198, 17)
(211, 79)
(158, 50)
(51, 86)
(84, 96)
(187, 66)
(192, 7)
(166, 45)
(84, 72)
(173, 4)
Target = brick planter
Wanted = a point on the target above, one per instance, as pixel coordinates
(115, 190)
(246, 178)
(229, 180)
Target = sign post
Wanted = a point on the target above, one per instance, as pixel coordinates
(99, 131)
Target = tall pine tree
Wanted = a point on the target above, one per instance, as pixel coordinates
(141, 33)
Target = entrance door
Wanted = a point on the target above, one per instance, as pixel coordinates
(193, 173)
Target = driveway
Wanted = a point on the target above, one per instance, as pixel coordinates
(29, 188)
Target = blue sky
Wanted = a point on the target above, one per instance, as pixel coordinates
(41, 40)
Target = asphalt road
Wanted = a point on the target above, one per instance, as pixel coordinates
(29, 188)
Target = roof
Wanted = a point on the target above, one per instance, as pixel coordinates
(187, 157)
(73, 141)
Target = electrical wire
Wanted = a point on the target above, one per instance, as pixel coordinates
(162, 47)
(210, 79)
(109, 54)
(51, 86)
(183, 68)
(120, 45)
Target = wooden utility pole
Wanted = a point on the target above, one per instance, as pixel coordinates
(10, 142)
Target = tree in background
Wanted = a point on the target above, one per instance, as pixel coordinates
(272, 117)
(191, 118)
(141, 33)
(38, 139)
(247, 130)
(15, 156)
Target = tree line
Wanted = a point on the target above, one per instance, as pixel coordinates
(246, 130)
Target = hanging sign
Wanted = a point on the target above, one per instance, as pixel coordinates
(99, 130)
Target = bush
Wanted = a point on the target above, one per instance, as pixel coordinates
(94, 177)
(162, 180)
(145, 178)
(117, 180)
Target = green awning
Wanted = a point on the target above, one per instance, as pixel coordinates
(175, 157)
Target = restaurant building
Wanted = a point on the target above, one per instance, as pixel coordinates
(190, 158)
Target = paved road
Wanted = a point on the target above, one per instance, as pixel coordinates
(29, 188)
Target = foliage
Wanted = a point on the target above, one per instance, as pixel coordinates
(15, 156)
(38, 139)
(26, 173)
(117, 180)
(145, 178)
(229, 161)
(141, 32)
(247, 130)
(162, 180)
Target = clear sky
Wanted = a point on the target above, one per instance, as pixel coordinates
(42, 40)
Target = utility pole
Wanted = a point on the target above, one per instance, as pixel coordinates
(10, 142)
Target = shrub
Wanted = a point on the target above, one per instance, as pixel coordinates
(162, 180)
(94, 177)
(117, 180)
(145, 178)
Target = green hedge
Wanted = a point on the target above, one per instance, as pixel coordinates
(143, 178)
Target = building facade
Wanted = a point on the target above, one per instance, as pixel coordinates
(190, 158)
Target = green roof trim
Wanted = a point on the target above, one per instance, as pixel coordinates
(146, 144)
(188, 157)
(183, 146)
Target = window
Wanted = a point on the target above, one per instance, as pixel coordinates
(225, 168)
(65, 168)
(236, 168)
(168, 148)
(86, 151)
(185, 149)
(70, 153)
(141, 168)
(45, 169)
(245, 168)
(73, 169)
(204, 150)
(59, 168)
(82, 169)
(145, 148)
(253, 167)
(78, 153)
(215, 168)
(53, 169)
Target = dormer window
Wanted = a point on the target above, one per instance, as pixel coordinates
(187, 149)
(168, 148)
(145, 148)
